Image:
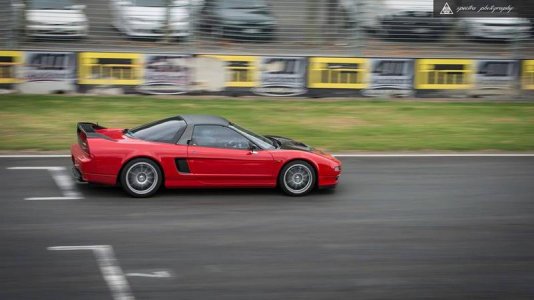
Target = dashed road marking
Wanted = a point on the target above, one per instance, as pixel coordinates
(109, 267)
(51, 198)
(55, 168)
(62, 180)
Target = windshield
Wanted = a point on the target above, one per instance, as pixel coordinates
(259, 140)
(51, 4)
(241, 3)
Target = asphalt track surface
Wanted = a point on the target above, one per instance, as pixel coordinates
(396, 228)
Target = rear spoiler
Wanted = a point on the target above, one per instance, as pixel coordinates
(89, 130)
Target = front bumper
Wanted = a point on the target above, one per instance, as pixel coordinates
(157, 30)
(56, 31)
(328, 181)
(329, 175)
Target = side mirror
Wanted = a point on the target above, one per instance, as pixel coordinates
(252, 148)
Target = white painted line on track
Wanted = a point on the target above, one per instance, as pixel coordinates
(36, 168)
(62, 180)
(338, 155)
(440, 155)
(109, 267)
(51, 198)
(34, 155)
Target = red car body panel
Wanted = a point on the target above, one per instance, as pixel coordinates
(208, 167)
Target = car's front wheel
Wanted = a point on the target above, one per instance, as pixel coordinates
(297, 178)
(141, 178)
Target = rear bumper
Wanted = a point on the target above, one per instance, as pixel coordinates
(81, 162)
(84, 166)
(76, 174)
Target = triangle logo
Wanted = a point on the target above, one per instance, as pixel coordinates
(446, 10)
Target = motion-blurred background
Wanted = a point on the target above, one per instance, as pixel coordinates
(423, 225)
(391, 28)
(265, 47)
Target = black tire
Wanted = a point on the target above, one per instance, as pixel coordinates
(297, 178)
(141, 178)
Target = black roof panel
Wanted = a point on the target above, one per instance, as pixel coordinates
(204, 119)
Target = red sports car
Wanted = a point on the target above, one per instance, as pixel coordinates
(197, 151)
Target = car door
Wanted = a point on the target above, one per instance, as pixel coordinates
(220, 156)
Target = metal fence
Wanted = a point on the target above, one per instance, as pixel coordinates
(366, 28)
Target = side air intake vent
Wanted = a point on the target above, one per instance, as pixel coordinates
(182, 166)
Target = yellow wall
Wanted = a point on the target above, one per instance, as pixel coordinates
(528, 75)
(444, 74)
(8, 70)
(93, 71)
(337, 73)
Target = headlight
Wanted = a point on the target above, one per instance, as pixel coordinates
(337, 168)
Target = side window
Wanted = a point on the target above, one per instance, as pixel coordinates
(164, 132)
(218, 137)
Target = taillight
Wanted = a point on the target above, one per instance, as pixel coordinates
(82, 141)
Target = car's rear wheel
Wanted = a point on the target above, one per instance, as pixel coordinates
(297, 178)
(141, 178)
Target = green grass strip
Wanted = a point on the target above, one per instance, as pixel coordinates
(30, 122)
